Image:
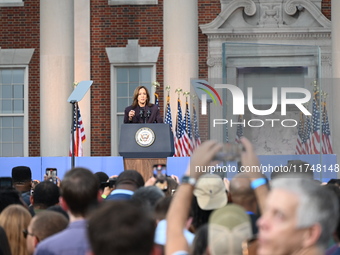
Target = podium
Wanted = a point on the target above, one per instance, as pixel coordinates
(143, 145)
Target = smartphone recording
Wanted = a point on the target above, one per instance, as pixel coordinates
(160, 173)
(111, 183)
(230, 152)
(51, 174)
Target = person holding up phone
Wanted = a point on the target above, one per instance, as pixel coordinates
(46, 194)
(51, 174)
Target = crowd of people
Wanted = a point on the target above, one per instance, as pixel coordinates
(200, 214)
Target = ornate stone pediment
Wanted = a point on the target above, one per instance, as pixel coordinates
(268, 16)
(293, 33)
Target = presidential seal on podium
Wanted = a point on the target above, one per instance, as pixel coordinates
(145, 136)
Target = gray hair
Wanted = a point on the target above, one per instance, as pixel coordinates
(148, 195)
(317, 205)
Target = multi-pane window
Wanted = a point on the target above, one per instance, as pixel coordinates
(12, 112)
(128, 71)
(129, 78)
(11, 3)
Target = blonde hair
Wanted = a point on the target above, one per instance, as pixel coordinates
(14, 219)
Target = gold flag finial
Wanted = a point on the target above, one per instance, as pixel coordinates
(75, 84)
(186, 94)
(156, 84)
(178, 91)
(315, 86)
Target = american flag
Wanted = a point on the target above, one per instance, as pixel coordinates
(315, 140)
(79, 134)
(156, 100)
(326, 133)
(307, 138)
(299, 149)
(239, 129)
(187, 120)
(196, 136)
(182, 148)
(168, 120)
(187, 138)
(179, 132)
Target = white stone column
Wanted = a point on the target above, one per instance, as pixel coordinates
(336, 76)
(56, 75)
(180, 48)
(82, 63)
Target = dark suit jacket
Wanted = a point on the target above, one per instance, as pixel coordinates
(154, 116)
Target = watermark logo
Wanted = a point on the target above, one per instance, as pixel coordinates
(238, 98)
(205, 92)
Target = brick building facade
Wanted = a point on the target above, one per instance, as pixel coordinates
(110, 26)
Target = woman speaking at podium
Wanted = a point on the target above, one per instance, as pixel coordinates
(141, 110)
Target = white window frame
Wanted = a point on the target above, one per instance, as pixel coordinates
(130, 56)
(132, 2)
(19, 58)
(25, 114)
(11, 3)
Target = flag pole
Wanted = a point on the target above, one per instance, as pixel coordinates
(76, 96)
(74, 120)
(167, 88)
(178, 91)
(186, 94)
(156, 85)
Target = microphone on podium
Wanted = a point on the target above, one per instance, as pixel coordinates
(148, 114)
(141, 114)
